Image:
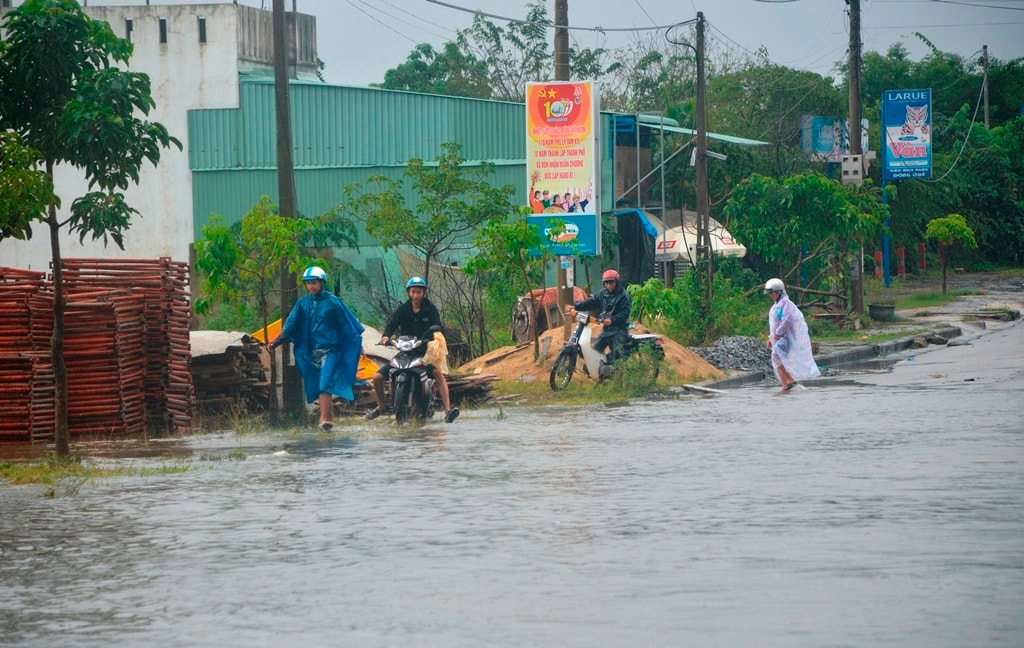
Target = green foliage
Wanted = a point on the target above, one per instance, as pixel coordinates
(25, 189)
(454, 201)
(804, 221)
(240, 263)
(951, 230)
(636, 375)
(735, 309)
(62, 90)
(652, 302)
(505, 249)
(448, 72)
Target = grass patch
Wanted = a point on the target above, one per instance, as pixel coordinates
(72, 471)
(581, 391)
(931, 299)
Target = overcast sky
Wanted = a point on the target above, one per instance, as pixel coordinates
(361, 39)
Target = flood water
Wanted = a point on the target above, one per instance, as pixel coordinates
(862, 511)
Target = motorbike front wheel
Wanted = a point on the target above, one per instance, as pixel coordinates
(403, 402)
(562, 371)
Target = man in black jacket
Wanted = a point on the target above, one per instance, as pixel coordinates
(613, 304)
(415, 317)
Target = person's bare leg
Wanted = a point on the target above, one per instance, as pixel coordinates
(446, 401)
(378, 390)
(442, 386)
(326, 403)
(785, 378)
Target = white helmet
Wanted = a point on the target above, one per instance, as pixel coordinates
(775, 284)
(313, 273)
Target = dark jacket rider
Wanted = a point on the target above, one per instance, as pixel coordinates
(612, 302)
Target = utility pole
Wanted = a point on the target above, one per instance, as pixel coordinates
(292, 392)
(564, 291)
(856, 269)
(984, 79)
(704, 252)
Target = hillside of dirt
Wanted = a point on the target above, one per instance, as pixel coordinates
(516, 363)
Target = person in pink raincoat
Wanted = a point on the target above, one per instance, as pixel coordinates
(788, 339)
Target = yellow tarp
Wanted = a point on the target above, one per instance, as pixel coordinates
(364, 371)
(273, 330)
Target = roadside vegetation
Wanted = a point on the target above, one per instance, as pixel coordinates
(65, 474)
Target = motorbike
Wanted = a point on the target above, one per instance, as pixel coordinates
(596, 364)
(412, 386)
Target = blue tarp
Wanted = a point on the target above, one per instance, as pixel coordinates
(648, 227)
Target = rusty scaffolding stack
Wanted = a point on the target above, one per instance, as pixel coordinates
(126, 349)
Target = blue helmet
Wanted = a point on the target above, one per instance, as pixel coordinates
(314, 273)
(416, 281)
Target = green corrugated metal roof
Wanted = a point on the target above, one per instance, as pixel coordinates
(335, 126)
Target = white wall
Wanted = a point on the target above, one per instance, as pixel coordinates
(185, 75)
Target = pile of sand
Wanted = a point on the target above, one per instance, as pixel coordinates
(517, 362)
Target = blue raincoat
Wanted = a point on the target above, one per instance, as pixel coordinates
(327, 339)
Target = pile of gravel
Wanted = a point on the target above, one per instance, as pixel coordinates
(739, 354)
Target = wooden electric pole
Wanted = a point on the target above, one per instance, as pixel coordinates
(704, 252)
(286, 201)
(857, 269)
(984, 79)
(564, 290)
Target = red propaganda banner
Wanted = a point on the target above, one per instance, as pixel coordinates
(562, 157)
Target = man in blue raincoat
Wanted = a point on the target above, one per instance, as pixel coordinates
(327, 339)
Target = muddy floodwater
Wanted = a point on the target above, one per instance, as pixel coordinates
(880, 508)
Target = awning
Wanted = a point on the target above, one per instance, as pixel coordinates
(680, 243)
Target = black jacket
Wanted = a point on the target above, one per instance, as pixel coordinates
(615, 305)
(406, 322)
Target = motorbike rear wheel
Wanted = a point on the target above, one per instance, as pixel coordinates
(563, 369)
(403, 402)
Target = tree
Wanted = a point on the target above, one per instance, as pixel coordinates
(448, 72)
(491, 62)
(513, 249)
(805, 221)
(63, 92)
(453, 201)
(947, 232)
(25, 190)
(242, 262)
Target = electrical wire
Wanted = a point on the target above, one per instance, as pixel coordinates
(550, 24)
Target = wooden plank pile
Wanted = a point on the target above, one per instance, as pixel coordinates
(228, 371)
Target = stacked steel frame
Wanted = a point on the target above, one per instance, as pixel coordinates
(163, 284)
(27, 406)
(126, 349)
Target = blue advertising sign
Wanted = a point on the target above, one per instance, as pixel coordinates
(582, 233)
(907, 133)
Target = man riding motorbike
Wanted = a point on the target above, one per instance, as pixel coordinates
(415, 317)
(614, 306)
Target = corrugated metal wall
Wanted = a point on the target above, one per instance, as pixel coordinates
(343, 135)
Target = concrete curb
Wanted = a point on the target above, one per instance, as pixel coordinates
(839, 358)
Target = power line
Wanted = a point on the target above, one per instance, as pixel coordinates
(550, 24)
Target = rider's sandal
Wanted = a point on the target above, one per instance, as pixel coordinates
(374, 413)
(326, 426)
(452, 414)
